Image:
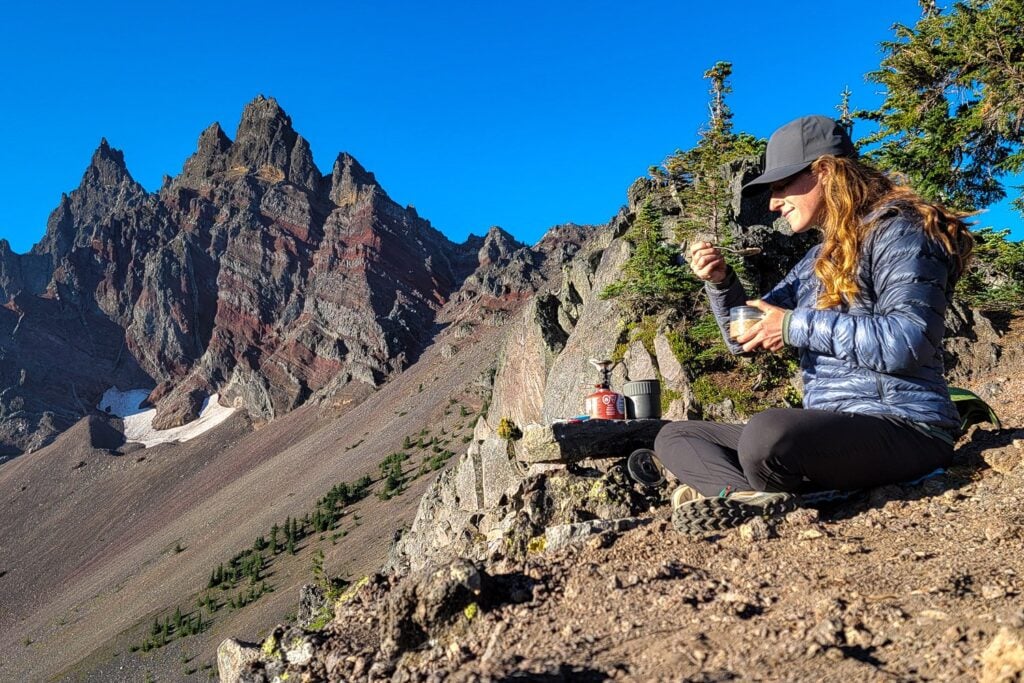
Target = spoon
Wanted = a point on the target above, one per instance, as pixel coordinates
(741, 251)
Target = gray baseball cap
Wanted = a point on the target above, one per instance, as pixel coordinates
(797, 145)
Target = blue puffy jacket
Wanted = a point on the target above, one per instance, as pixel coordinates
(882, 354)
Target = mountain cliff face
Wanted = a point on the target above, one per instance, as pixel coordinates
(250, 274)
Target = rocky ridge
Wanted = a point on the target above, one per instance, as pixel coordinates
(250, 274)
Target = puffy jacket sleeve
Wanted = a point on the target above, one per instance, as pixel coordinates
(722, 297)
(907, 272)
(730, 293)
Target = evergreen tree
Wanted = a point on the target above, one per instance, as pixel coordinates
(954, 106)
(845, 115)
(696, 177)
(257, 568)
(651, 280)
(319, 575)
(274, 530)
(392, 484)
(344, 493)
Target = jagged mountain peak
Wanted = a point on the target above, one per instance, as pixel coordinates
(496, 233)
(498, 245)
(266, 144)
(209, 159)
(214, 138)
(264, 120)
(347, 160)
(263, 109)
(250, 262)
(350, 181)
(106, 188)
(107, 167)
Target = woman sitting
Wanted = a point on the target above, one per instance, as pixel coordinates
(865, 308)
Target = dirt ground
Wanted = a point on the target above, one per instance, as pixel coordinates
(899, 583)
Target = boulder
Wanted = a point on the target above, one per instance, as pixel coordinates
(1003, 660)
(312, 602)
(971, 345)
(427, 601)
(638, 363)
(233, 656)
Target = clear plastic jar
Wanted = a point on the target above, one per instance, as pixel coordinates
(742, 318)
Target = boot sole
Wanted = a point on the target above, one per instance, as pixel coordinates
(717, 514)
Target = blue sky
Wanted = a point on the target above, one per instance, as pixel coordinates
(523, 115)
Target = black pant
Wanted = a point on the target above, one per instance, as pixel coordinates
(789, 449)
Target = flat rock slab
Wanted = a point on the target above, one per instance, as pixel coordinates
(568, 442)
(566, 534)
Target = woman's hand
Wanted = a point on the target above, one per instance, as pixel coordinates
(766, 334)
(707, 262)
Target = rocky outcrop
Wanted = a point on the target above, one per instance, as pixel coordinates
(482, 506)
(501, 496)
(234, 656)
(419, 607)
(21, 272)
(972, 345)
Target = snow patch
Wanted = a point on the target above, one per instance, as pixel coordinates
(138, 422)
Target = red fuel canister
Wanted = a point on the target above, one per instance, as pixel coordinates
(605, 404)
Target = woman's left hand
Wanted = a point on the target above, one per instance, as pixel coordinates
(767, 334)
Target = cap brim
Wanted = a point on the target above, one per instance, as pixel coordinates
(769, 177)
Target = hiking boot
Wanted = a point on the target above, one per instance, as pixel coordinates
(726, 512)
(684, 494)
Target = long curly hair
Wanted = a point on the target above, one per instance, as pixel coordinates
(852, 192)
